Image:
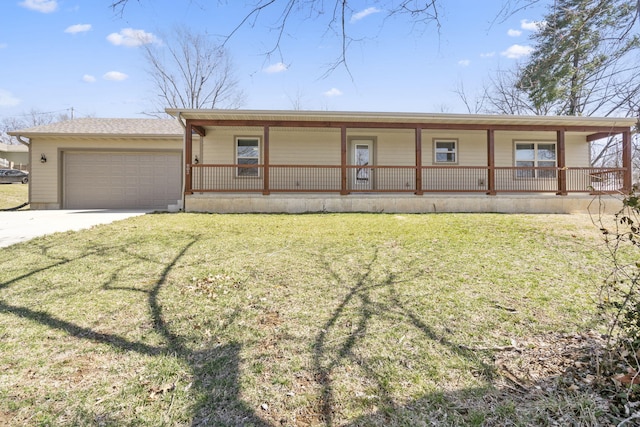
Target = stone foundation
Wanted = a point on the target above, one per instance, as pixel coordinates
(384, 203)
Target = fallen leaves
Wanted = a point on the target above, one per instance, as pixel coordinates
(631, 377)
(154, 392)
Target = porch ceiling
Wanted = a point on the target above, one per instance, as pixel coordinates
(324, 117)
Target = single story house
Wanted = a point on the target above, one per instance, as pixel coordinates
(310, 161)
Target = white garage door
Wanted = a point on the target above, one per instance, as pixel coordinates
(110, 180)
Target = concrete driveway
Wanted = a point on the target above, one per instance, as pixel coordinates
(20, 226)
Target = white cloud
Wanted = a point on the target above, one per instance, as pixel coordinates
(333, 92)
(44, 6)
(364, 13)
(276, 68)
(78, 28)
(88, 78)
(525, 24)
(115, 76)
(514, 33)
(464, 62)
(131, 38)
(487, 55)
(7, 99)
(517, 51)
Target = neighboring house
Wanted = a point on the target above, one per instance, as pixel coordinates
(309, 161)
(14, 156)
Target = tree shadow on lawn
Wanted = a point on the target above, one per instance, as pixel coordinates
(221, 362)
(327, 361)
(216, 370)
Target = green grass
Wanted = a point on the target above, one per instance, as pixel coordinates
(13, 195)
(270, 320)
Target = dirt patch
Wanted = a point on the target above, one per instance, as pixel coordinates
(553, 365)
(552, 360)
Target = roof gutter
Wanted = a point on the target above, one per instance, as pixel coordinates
(184, 150)
(23, 141)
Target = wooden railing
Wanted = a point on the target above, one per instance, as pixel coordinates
(401, 179)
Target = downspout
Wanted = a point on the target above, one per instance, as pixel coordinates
(184, 151)
(28, 144)
(22, 141)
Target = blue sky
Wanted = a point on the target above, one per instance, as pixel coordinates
(61, 54)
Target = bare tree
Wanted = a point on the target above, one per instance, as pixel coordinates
(475, 104)
(334, 14)
(29, 119)
(191, 71)
(503, 96)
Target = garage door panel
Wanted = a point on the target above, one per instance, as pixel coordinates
(121, 180)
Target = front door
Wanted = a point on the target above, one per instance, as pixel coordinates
(362, 177)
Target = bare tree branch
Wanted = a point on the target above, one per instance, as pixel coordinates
(191, 71)
(334, 13)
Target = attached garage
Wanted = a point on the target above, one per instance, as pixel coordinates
(92, 163)
(121, 180)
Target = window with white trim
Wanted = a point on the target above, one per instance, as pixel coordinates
(247, 153)
(535, 155)
(445, 151)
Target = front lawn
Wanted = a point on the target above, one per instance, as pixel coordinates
(296, 320)
(13, 195)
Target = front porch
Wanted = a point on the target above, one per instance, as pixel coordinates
(296, 161)
(347, 179)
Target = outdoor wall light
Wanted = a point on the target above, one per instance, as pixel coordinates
(196, 161)
(43, 158)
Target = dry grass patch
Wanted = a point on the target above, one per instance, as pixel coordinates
(13, 195)
(270, 320)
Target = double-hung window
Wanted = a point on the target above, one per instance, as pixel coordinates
(445, 151)
(535, 155)
(247, 153)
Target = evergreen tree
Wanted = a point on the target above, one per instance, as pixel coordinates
(585, 59)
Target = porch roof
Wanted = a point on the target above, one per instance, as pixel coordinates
(395, 119)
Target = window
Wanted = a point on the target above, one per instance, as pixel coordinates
(446, 151)
(248, 153)
(535, 155)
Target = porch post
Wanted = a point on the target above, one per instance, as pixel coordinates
(627, 176)
(491, 163)
(419, 191)
(562, 165)
(343, 161)
(265, 176)
(188, 155)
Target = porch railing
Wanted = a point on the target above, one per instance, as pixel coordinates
(402, 179)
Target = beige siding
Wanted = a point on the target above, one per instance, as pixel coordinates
(305, 147)
(577, 149)
(46, 182)
(392, 147)
(472, 146)
(576, 155)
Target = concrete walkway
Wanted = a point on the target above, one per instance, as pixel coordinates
(20, 226)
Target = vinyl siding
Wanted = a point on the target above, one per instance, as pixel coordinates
(316, 146)
(45, 183)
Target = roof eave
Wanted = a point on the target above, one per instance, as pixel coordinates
(350, 116)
